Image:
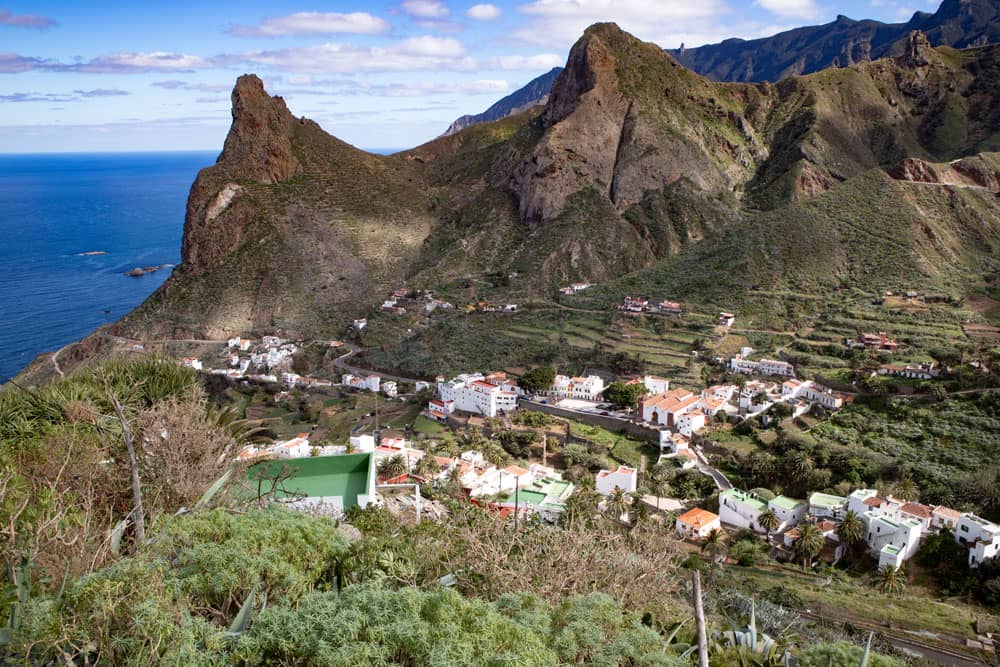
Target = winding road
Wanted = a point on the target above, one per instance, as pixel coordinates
(341, 363)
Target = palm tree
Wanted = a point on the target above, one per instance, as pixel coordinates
(809, 543)
(851, 530)
(906, 488)
(394, 466)
(714, 544)
(618, 502)
(769, 521)
(426, 467)
(658, 483)
(799, 465)
(889, 580)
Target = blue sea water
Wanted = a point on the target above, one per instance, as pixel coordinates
(54, 207)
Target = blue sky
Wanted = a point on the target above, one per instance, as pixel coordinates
(125, 76)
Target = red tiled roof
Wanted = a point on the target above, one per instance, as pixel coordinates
(947, 512)
(916, 509)
(697, 517)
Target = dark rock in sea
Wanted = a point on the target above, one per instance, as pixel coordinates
(143, 270)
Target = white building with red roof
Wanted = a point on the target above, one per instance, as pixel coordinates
(623, 477)
(482, 395)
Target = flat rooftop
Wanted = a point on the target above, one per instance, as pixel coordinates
(345, 475)
(746, 498)
(826, 500)
(786, 503)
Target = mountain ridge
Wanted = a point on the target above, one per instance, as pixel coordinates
(636, 166)
(808, 49)
(533, 93)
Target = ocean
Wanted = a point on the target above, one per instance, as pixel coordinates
(55, 207)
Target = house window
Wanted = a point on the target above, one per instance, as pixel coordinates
(965, 529)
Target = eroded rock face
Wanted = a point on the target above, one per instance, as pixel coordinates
(583, 120)
(913, 169)
(258, 148)
(259, 145)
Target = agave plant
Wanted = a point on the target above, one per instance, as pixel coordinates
(751, 647)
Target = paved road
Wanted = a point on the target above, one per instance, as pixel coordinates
(705, 468)
(341, 363)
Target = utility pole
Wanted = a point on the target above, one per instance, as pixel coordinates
(517, 487)
(699, 616)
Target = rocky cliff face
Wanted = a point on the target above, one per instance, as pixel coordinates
(258, 148)
(634, 161)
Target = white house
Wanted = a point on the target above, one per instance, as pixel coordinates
(673, 442)
(239, 343)
(863, 500)
(697, 523)
(664, 409)
(669, 308)
(922, 514)
(824, 396)
(925, 371)
(360, 324)
(624, 478)
(478, 394)
(362, 443)
(690, 423)
(719, 392)
(903, 536)
(726, 319)
(389, 388)
(369, 383)
(741, 509)
(634, 305)
(295, 448)
(790, 511)
(826, 506)
(654, 385)
(587, 388)
(981, 536)
(740, 364)
(945, 517)
(439, 410)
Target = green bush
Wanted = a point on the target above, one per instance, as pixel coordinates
(369, 625)
(842, 654)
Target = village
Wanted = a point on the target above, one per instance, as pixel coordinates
(673, 422)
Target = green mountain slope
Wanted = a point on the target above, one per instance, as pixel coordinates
(635, 169)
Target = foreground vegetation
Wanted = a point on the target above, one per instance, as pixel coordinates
(206, 574)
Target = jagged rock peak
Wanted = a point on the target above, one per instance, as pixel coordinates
(259, 145)
(919, 51)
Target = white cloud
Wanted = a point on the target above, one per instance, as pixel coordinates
(314, 23)
(481, 87)
(347, 87)
(414, 54)
(561, 22)
(426, 9)
(804, 9)
(136, 63)
(175, 84)
(428, 45)
(483, 12)
(541, 61)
